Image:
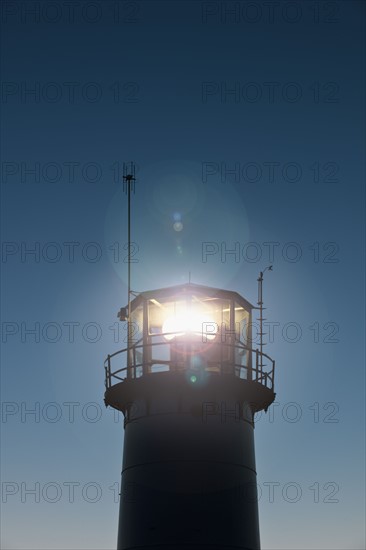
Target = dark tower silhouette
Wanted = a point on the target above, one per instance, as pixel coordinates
(188, 384)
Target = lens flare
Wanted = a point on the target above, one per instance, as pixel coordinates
(178, 226)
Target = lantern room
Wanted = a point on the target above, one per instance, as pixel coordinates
(190, 329)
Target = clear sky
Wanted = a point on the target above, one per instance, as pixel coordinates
(246, 121)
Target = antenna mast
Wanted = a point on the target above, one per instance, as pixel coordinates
(129, 178)
(261, 318)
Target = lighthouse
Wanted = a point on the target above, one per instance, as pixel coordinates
(189, 383)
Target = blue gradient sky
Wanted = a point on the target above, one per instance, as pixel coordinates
(160, 54)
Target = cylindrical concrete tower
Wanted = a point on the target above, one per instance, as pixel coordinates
(188, 385)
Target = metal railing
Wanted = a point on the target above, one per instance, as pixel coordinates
(253, 370)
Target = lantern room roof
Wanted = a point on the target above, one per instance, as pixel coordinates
(179, 291)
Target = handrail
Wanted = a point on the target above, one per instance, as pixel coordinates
(255, 373)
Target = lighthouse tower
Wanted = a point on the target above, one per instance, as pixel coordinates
(188, 385)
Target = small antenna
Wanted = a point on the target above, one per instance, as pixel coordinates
(261, 308)
(129, 178)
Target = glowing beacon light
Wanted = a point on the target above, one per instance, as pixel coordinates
(188, 385)
(189, 323)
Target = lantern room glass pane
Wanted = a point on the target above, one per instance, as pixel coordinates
(136, 335)
(241, 317)
(137, 325)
